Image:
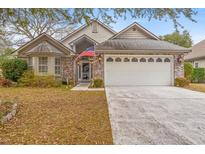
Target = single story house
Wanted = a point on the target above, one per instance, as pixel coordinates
(197, 56)
(133, 56)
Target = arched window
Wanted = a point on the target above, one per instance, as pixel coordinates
(167, 60)
(126, 59)
(150, 60)
(109, 59)
(159, 60)
(134, 59)
(118, 59)
(142, 60)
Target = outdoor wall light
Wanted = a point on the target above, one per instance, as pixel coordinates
(180, 59)
(99, 57)
(78, 62)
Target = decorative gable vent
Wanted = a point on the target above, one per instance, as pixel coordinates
(134, 28)
(94, 27)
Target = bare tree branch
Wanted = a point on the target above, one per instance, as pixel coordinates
(18, 26)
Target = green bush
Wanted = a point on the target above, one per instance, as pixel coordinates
(5, 82)
(188, 70)
(71, 83)
(5, 54)
(181, 82)
(13, 69)
(28, 79)
(1, 62)
(97, 83)
(198, 75)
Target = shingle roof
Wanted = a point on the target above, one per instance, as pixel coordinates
(198, 51)
(41, 42)
(44, 48)
(139, 44)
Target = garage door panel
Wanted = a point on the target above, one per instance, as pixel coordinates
(140, 79)
(138, 73)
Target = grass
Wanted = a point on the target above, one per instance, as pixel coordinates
(197, 87)
(56, 116)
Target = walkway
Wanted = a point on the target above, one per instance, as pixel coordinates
(84, 87)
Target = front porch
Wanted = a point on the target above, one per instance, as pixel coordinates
(86, 57)
(89, 66)
(84, 71)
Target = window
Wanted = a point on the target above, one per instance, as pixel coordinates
(43, 65)
(134, 59)
(109, 59)
(159, 60)
(118, 59)
(30, 63)
(57, 66)
(142, 60)
(196, 65)
(150, 60)
(166, 60)
(94, 27)
(126, 59)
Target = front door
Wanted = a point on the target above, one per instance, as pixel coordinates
(84, 71)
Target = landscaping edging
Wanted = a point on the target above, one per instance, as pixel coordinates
(9, 115)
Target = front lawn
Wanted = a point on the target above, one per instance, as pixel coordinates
(56, 116)
(197, 87)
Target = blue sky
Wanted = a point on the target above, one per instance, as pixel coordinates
(196, 30)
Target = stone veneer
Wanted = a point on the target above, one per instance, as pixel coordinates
(178, 66)
(98, 68)
(68, 65)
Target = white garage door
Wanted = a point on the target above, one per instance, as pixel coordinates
(138, 70)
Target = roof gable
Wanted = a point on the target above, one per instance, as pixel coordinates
(135, 31)
(85, 26)
(43, 43)
(86, 37)
(198, 51)
(44, 47)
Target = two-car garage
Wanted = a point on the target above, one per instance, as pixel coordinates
(122, 70)
(135, 56)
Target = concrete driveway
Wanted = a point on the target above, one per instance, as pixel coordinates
(156, 115)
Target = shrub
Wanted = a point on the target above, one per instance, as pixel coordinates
(188, 70)
(5, 82)
(181, 82)
(28, 79)
(198, 75)
(97, 83)
(71, 83)
(12, 69)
